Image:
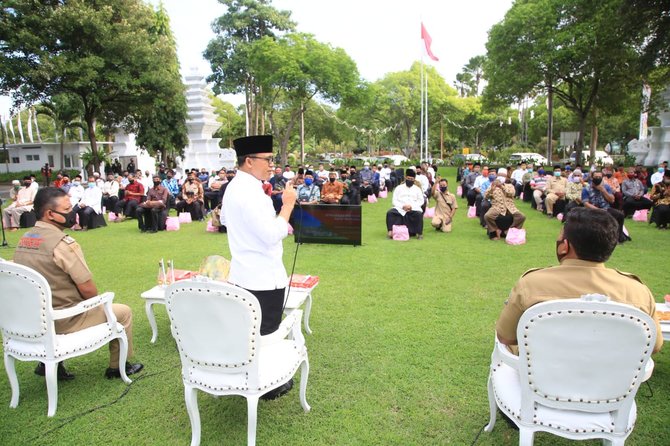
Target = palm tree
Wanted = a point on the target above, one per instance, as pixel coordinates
(66, 112)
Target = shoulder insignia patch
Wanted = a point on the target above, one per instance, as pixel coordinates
(530, 271)
(69, 240)
(630, 275)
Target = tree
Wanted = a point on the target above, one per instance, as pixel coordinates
(572, 49)
(161, 123)
(244, 22)
(292, 70)
(66, 112)
(232, 121)
(103, 52)
(469, 80)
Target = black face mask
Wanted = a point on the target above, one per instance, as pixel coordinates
(231, 177)
(332, 180)
(70, 218)
(27, 183)
(597, 181)
(131, 181)
(409, 183)
(608, 175)
(443, 188)
(157, 183)
(190, 180)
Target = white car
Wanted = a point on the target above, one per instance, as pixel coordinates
(602, 157)
(532, 157)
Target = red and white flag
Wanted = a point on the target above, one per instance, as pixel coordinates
(428, 41)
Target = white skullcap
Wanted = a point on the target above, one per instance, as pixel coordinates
(502, 171)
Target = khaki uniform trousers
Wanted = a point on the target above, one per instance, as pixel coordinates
(441, 223)
(97, 316)
(550, 200)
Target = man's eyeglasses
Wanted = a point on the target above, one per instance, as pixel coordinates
(269, 159)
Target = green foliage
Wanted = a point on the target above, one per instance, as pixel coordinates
(292, 70)
(231, 119)
(104, 52)
(399, 355)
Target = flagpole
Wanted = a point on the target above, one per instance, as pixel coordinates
(425, 78)
(421, 120)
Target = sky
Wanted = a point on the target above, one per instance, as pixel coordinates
(381, 36)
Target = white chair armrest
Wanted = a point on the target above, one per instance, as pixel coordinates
(501, 353)
(287, 326)
(82, 307)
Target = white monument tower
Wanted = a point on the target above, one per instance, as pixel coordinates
(656, 147)
(203, 150)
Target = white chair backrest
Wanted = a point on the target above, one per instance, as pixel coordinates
(579, 355)
(25, 303)
(215, 324)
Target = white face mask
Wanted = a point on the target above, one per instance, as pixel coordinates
(501, 179)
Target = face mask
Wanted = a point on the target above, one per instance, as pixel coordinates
(91, 185)
(576, 179)
(277, 176)
(190, 180)
(157, 183)
(502, 179)
(541, 171)
(661, 170)
(560, 256)
(75, 183)
(353, 172)
(597, 181)
(309, 181)
(443, 189)
(608, 175)
(231, 177)
(529, 170)
(631, 176)
(332, 180)
(409, 183)
(70, 218)
(27, 184)
(492, 177)
(557, 174)
(169, 177)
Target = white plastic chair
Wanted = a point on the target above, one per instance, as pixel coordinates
(27, 325)
(579, 367)
(217, 329)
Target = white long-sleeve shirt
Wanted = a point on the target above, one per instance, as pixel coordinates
(92, 198)
(255, 235)
(403, 195)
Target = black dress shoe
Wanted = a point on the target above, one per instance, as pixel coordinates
(279, 391)
(131, 369)
(62, 374)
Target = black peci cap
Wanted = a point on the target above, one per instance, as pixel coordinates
(249, 145)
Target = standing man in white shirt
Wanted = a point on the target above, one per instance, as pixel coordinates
(256, 231)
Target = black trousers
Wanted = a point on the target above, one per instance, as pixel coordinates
(630, 205)
(661, 215)
(148, 218)
(109, 203)
(85, 215)
(127, 207)
(272, 305)
(412, 219)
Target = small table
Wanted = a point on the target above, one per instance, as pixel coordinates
(297, 297)
(665, 325)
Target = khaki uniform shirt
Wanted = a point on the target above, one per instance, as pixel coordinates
(445, 204)
(557, 185)
(569, 280)
(58, 257)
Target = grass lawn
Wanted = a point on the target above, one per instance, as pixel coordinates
(400, 350)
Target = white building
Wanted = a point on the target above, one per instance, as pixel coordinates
(33, 156)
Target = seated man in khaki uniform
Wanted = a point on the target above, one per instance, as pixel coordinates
(585, 242)
(501, 193)
(445, 206)
(55, 255)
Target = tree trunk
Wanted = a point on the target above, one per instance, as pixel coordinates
(594, 136)
(90, 122)
(441, 139)
(580, 139)
(302, 134)
(550, 120)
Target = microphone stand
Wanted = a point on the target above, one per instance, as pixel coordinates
(2, 225)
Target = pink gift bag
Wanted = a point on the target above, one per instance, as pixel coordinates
(185, 217)
(112, 216)
(383, 193)
(472, 212)
(400, 233)
(290, 229)
(521, 196)
(516, 236)
(172, 224)
(430, 213)
(559, 217)
(640, 215)
(211, 227)
(459, 191)
(372, 198)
